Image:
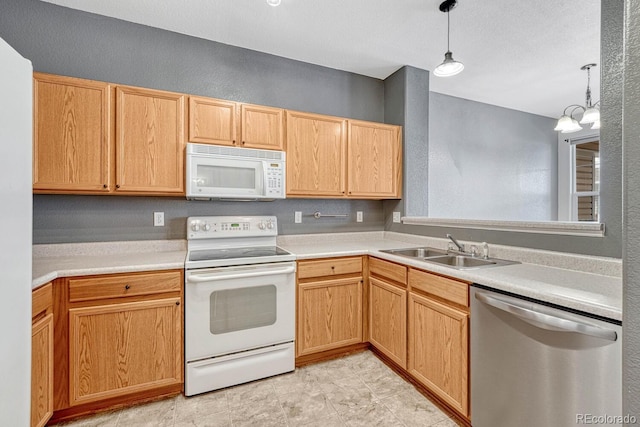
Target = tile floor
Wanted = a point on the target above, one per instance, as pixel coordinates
(357, 390)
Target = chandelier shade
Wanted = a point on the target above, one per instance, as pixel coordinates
(590, 111)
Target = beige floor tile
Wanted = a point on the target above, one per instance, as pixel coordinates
(222, 419)
(413, 409)
(247, 394)
(332, 369)
(364, 361)
(301, 380)
(302, 408)
(203, 406)
(449, 422)
(256, 413)
(332, 420)
(105, 419)
(348, 393)
(384, 382)
(156, 414)
(372, 415)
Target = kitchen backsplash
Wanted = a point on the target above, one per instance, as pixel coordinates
(71, 219)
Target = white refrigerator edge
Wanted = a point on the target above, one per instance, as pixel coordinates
(16, 75)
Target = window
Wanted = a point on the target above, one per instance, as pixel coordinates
(585, 174)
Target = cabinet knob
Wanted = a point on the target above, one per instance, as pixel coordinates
(117, 185)
(127, 287)
(332, 267)
(233, 142)
(104, 185)
(177, 302)
(242, 142)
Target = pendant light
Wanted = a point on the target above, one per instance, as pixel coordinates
(591, 113)
(449, 67)
(273, 3)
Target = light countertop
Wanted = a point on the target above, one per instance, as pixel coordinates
(592, 284)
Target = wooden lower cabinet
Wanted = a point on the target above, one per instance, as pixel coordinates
(117, 349)
(329, 313)
(388, 320)
(42, 356)
(119, 340)
(439, 349)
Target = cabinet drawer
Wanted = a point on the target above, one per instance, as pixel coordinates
(329, 267)
(124, 285)
(390, 270)
(442, 287)
(41, 299)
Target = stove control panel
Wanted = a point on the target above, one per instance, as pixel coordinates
(212, 227)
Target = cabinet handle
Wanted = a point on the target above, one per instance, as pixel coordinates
(177, 302)
(242, 142)
(117, 185)
(233, 142)
(127, 287)
(104, 185)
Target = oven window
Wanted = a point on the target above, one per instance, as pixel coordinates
(239, 309)
(226, 177)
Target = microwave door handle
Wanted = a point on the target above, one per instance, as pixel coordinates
(196, 278)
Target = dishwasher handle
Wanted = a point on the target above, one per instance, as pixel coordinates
(196, 278)
(547, 321)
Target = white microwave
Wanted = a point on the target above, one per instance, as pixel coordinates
(218, 172)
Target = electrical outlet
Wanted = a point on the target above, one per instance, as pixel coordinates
(158, 219)
(359, 216)
(297, 218)
(396, 217)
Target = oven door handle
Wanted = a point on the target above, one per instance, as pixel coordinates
(196, 278)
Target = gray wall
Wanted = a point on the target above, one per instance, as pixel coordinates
(631, 149)
(69, 42)
(489, 162)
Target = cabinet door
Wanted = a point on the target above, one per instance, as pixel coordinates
(374, 160)
(149, 141)
(71, 138)
(329, 315)
(212, 121)
(388, 320)
(118, 349)
(42, 371)
(438, 350)
(261, 127)
(316, 154)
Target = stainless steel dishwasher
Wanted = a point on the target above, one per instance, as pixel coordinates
(536, 365)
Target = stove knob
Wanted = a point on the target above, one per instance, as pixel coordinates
(261, 225)
(270, 225)
(195, 226)
(206, 227)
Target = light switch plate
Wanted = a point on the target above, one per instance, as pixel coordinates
(396, 217)
(158, 219)
(359, 216)
(297, 217)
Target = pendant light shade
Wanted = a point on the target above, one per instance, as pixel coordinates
(449, 67)
(591, 112)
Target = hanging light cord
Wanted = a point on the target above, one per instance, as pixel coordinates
(448, 29)
(588, 87)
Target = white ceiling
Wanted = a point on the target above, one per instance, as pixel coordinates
(524, 55)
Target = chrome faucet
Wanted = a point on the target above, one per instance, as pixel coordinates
(455, 242)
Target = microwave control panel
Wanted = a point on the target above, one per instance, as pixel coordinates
(274, 184)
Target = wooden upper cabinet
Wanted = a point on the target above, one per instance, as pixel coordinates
(71, 134)
(374, 160)
(212, 121)
(316, 151)
(149, 141)
(261, 127)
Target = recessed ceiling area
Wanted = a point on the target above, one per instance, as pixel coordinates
(520, 55)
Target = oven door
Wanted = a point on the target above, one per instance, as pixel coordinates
(232, 309)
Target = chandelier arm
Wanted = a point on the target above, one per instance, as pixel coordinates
(575, 106)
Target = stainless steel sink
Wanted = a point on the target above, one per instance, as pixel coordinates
(424, 252)
(448, 259)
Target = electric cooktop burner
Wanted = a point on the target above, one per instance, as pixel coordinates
(233, 253)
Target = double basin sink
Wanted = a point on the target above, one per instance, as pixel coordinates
(459, 261)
